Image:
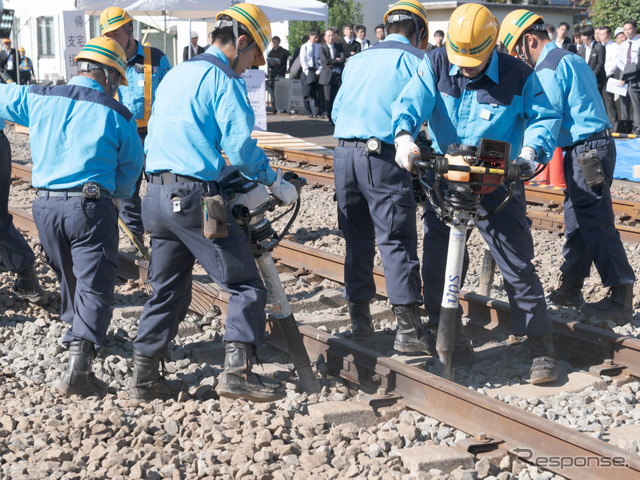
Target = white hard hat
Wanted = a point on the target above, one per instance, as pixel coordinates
(618, 30)
(194, 34)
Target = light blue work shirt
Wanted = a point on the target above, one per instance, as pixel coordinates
(371, 81)
(132, 96)
(571, 86)
(505, 103)
(78, 134)
(202, 108)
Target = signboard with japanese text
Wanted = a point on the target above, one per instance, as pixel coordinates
(254, 80)
(74, 39)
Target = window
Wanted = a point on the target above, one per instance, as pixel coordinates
(45, 37)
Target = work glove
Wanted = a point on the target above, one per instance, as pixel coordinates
(283, 190)
(526, 161)
(406, 151)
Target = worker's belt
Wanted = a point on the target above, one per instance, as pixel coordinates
(357, 143)
(72, 192)
(596, 136)
(162, 178)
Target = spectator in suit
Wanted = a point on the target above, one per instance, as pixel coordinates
(361, 33)
(349, 44)
(9, 59)
(593, 53)
(194, 47)
(562, 38)
(577, 40)
(551, 30)
(611, 49)
(627, 71)
(332, 58)
(379, 33)
(438, 37)
(311, 63)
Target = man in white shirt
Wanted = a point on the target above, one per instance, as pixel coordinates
(562, 40)
(349, 44)
(361, 33)
(311, 65)
(611, 49)
(626, 70)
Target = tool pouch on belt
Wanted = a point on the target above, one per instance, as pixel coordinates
(591, 168)
(214, 216)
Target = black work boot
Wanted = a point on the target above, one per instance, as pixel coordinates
(617, 305)
(569, 293)
(238, 381)
(544, 366)
(412, 336)
(27, 287)
(147, 383)
(360, 315)
(78, 378)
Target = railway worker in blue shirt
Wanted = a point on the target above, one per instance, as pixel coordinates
(146, 67)
(202, 108)
(375, 195)
(467, 91)
(15, 253)
(85, 151)
(584, 129)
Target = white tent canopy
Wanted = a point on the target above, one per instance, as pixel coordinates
(276, 10)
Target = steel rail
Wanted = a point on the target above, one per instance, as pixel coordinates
(543, 442)
(526, 435)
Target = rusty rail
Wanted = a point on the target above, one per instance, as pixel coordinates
(526, 435)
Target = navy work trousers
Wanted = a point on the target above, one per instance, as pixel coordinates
(80, 238)
(131, 208)
(176, 242)
(376, 202)
(508, 236)
(15, 252)
(590, 232)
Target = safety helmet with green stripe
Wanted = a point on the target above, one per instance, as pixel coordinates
(107, 52)
(471, 35)
(417, 12)
(515, 25)
(113, 18)
(255, 21)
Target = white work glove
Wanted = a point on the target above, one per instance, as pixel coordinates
(527, 162)
(406, 151)
(283, 190)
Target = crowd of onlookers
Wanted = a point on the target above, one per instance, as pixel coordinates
(611, 55)
(319, 61)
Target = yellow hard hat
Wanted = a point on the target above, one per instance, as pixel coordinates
(514, 25)
(113, 18)
(256, 22)
(21, 49)
(105, 51)
(6, 40)
(471, 35)
(415, 8)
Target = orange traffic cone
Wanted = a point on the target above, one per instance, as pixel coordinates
(556, 170)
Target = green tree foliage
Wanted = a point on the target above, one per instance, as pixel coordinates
(613, 13)
(340, 12)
